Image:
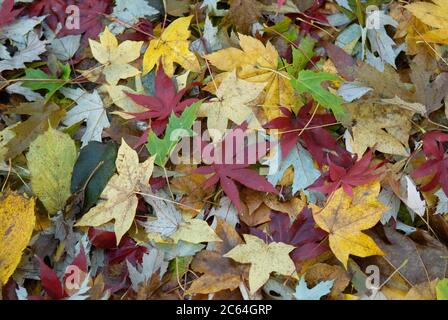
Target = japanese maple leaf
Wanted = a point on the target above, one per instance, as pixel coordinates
(302, 234)
(233, 166)
(161, 105)
(91, 14)
(127, 249)
(50, 280)
(436, 163)
(346, 172)
(7, 14)
(116, 255)
(315, 139)
(310, 16)
(54, 9)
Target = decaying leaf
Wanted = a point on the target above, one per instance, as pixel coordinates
(119, 198)
(17, 221)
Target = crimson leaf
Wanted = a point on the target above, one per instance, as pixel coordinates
(315, 139)
(437, 161)
(229, 166)
(7, 14)
(161, 105)
(302, 234)
(346, 172)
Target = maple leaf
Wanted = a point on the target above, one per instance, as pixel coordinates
(54, 10)
(257, 63)
(114, 57)
(305, 172)
(381, 126)
(31, 52)
(302, 234)
(344, 218)
(315, 138)
(50, 281)
(172, 47)
(17, 221)
(129, 13)
(346, 172)
(231, 103)
(435, 15)
(311, 82)
(171, 224)
(126, 249)
(36, 79)
(7, 14)
(219, 273)
(243, 14)
(229, 173)
(18, 137)
(264, 259)
(436, 163)
(91, 14)
(165, 101)
(89, 107)
(120, 195)
(316, 293)
(162, 148)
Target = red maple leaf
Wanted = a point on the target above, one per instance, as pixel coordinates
(161, 105)
(315, 139)
(91, 14)
(307, 20)
(233, 165)
(437, 161)
(7, 14)
(127, 249)
(54, 9)
(50, 280)
(346, 172)
(302, 234)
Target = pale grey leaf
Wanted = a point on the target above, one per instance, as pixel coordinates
(89, 108)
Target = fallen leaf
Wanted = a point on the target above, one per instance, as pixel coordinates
(50, 160)
(16, 226)
(219, 273)
(264, 259)
(119, 198)
(344, 218)
(257, 63)
(115, 58)
(233, 97)
(172, 47)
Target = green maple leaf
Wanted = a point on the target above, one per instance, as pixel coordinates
(311, 82)
(36, 79)
(177, 128)
(301, 56)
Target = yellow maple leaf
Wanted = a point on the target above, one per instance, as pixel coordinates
(344, 217)
(16, 227)
(435, 15)
(264, 259)
(172, 47)
(258, 63)
(51, 159)
(194, 231)
(119, 198)
(233, 97)
(114, 57)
